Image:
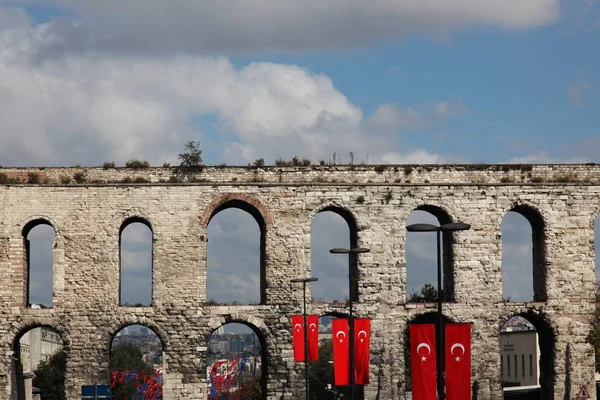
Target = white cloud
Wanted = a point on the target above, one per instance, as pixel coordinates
(419, 156)
(88, 109)
(445, 109)
(543, 157)
(391, 116)
(239, 26)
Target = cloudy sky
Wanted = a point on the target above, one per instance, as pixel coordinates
(405, 81)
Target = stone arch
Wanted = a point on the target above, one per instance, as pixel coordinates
(242, 201)
(546, 332)
(28, 227)
(538, 231)
(353, 267)
(260, 331)
(447, 247)
(249, 204)
(25, 359)
(116, 327)
(136, 219)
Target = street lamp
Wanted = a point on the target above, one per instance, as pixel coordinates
(439, 333)
(355, 250)
(304, 282)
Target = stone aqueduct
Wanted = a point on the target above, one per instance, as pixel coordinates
(560, 201)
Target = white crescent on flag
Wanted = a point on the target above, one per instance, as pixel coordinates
(424, 345)
(337, 336)
(313, 326)
(455, 345)
(297, 327)
(362, 332)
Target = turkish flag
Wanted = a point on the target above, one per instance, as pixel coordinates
(362, 339)
(298, 337)
(341, 350)
(313, 337)
(422, 361)
(458, 361)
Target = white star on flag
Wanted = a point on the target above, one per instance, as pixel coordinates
(457, 358)
(423, 358)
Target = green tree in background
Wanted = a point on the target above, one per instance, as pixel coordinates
(50, 377)
(320, 374)
(127, 357)
(428, 295)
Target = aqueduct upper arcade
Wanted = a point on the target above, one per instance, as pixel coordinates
(87, 208)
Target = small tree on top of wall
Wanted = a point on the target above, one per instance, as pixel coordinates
(191, 158)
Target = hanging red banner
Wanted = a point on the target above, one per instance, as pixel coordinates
(362, 339)
(458, 361)
(298, 337)
(341, 350)
(313, 337)
(423, 361)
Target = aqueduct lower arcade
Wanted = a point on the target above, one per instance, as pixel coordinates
(560, 201)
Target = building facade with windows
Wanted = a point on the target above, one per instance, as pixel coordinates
(519, 353)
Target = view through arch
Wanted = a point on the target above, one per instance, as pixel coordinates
(519, 353)
(136, 363)
(233, 261)
(329, 230)
(527, 351)
(39, 246)
(234, 361)
(421, 259)
(517, 258)
(135, 247)
(39, 365)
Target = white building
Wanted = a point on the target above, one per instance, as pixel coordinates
(520, 353)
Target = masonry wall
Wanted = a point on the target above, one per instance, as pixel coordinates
(87, 216)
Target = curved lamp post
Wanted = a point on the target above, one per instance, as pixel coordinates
(439, 333)
(355, 250)
(304, 281)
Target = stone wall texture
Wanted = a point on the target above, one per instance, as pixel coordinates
(87, 207)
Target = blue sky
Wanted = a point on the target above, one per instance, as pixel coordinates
(405, 81)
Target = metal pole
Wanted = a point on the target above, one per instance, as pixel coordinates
(440, 326)
(351, 329)
(305, 344)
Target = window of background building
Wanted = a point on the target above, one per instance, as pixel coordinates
(530, 364)
(523, 364)
(508, 365)
(516, 366)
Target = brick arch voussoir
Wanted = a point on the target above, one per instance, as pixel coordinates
(116, 326)
(438, 210)
(225, 198)
(18, 330)
(44, 219)
(519, 203)
(139, 217)
(255, 323)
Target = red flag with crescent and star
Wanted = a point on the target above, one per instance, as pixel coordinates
(313, 337)
(362, 339)
(458, 361)
(298, 337)
(422, 360)
(341, 350)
